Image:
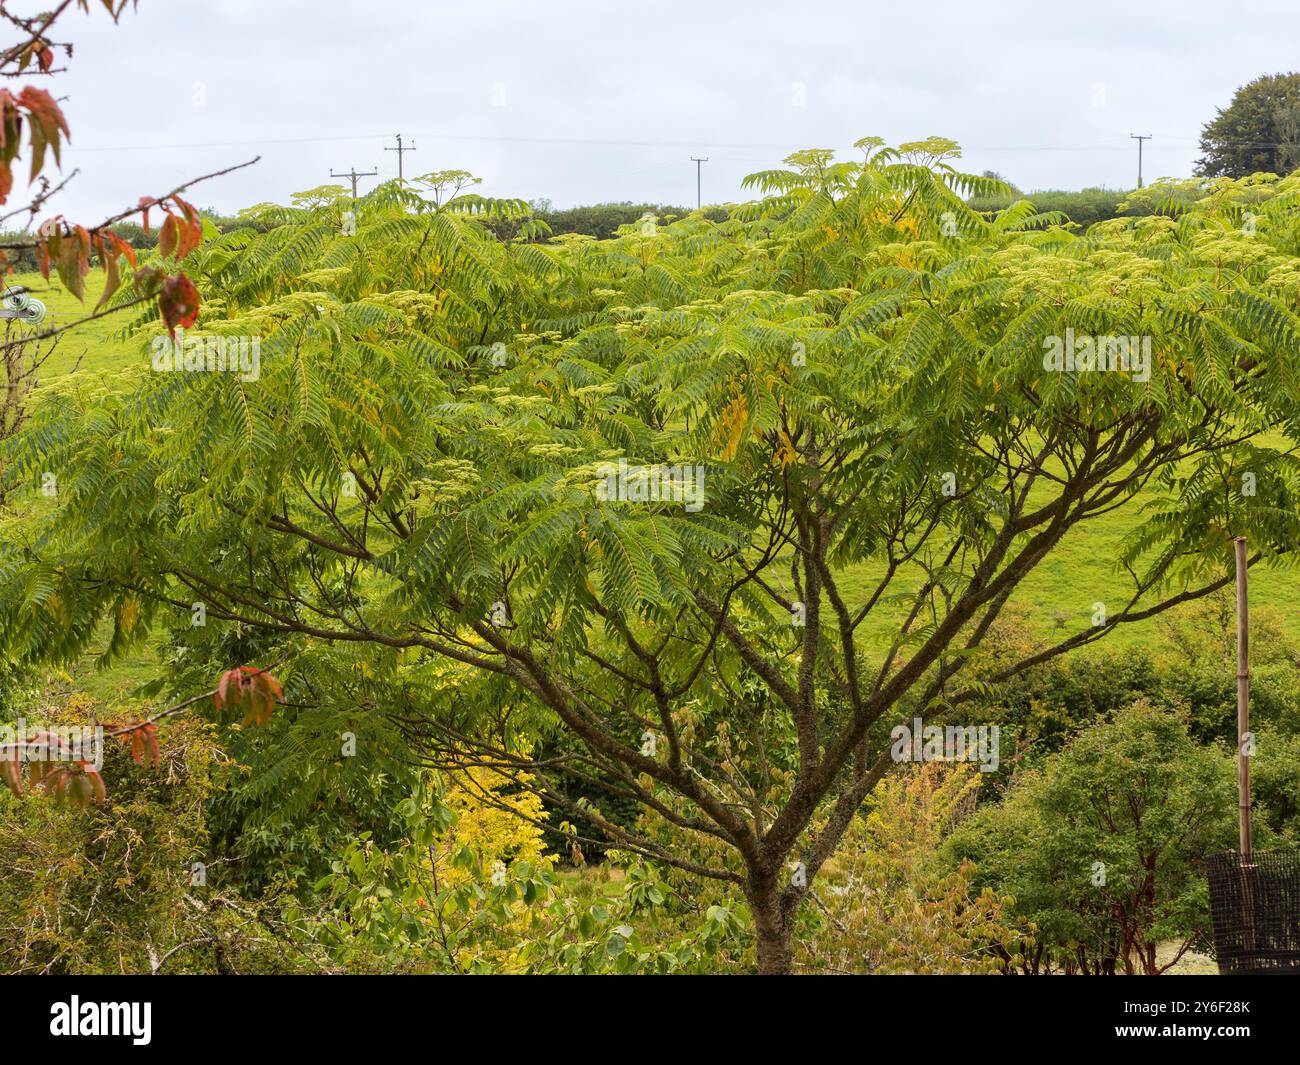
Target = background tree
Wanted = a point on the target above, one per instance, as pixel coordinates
(1103, 847)
(1257, 132)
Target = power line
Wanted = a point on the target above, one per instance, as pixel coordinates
(225, 144)
(476, 138)
(599, 143)
(579, 141)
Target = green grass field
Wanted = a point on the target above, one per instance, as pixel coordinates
(1056, 600)
(94, 347)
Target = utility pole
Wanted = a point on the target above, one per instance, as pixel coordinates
(697, 163)
(1139, 137)
(399, 150)
(354, 173)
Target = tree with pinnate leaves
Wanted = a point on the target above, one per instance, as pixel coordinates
(405, 510)
(1258, 132)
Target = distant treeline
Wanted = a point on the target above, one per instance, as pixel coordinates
(1083, 207)
(602, 220)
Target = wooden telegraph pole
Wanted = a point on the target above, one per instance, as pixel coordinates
(354, 173)
(698, 162)
(1139, 137)
(400, 150)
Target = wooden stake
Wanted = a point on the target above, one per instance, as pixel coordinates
(1243, 703)
(1243, 760)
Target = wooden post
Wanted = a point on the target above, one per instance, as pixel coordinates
(1243, 760)
(1243, 703)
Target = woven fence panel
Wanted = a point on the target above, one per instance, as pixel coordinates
(1256, 912)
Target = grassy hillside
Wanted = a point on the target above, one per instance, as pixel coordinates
(96, 347)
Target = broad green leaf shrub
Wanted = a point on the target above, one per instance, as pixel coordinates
(1102, 847)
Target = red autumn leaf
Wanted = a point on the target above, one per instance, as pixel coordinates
(73, 258)
(70, 266)
(11, 768)
(191, 234)
(46, 123)
(251, 687)
(223, 687)
(9, 113)
(99, 793)
(52, 230)
(179, 303)
(12, 775)
(41, 104)
(145, 202)
(125, 248)
(143, 740)
(190, 230)
(112, 282)
(168, 234)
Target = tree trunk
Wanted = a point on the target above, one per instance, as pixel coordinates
(773, 932)
(775, 951)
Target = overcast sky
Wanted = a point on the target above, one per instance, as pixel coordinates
(583, 102)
